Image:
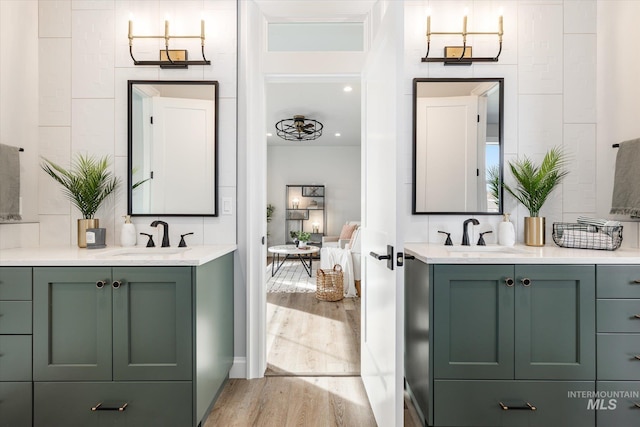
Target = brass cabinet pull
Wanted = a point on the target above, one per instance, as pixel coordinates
(116, 284)
(100, 284)
(100, 407)
(636, 405)
(637, 316)
(509, 281)
(526, 281)
(637, 357)
(526, 407)
(636, 281)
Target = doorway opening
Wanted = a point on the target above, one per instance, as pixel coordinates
(312, 186)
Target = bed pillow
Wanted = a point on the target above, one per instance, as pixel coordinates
(347, 231)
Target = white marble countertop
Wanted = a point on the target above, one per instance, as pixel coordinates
(519, 254)
(112, 256)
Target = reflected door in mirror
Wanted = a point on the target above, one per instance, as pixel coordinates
(457, 146)
(173, 148)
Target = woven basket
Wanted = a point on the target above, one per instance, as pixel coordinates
(329, 285)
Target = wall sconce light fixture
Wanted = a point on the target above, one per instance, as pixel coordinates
(462, 55)
(173, 58)
(295, 202)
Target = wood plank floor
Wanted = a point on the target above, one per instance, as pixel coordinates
(313, 369)
(292, 401)
(309, 337)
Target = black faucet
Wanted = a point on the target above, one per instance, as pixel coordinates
(465, 233)
(165, 234)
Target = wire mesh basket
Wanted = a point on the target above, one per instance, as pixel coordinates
(330, 284)
(586, 236)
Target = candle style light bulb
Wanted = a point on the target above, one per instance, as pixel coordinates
(428, 22)
(464, 21)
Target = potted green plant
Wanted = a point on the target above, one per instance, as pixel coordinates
(87, 183)
(300, 237)
(534, 184)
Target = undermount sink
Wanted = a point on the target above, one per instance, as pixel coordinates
(144, 251)
(494, 249)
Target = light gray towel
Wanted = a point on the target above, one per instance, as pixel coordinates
(626, 188)
(9, 183)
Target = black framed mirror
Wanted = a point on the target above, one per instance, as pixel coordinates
(173, 148)
(457, 146)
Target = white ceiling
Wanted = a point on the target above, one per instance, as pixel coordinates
(319, 98)
(325, 101)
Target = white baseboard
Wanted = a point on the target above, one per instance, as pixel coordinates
(239, 368)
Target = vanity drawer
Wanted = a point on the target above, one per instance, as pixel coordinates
(15, 283)
(158, 404)
(477, 403)
(15, 317)
(618, 281)
(15, 404)
(15, 357)
(618, 315)
(617, 357)
(627, 406)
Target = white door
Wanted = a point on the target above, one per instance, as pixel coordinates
(446, 127)
(382, 349)
(183, 139)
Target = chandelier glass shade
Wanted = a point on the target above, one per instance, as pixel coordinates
(299, 129)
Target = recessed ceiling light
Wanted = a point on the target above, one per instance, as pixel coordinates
(269, 134)
(347, 89)
(337, 133)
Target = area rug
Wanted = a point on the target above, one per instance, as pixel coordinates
(292, 278)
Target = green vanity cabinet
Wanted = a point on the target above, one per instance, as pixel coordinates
(156, 341)
(15, 347)
(417, 336)
(508, 344)
(103, 323)
(618, 309)
(541, 326)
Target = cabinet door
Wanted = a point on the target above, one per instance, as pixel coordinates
(71, 323)
(473, 322)
(555, 322)
(152, 332)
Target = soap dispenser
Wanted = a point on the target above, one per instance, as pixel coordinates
(128, 232)
(506, 232)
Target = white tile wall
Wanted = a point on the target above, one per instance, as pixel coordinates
(580, 78)
(93, 53)
(83, 100)
(540, 48)
(549, 65)
(580, 16)
(580, 185)
(92, 126)
(54, 81)
(539, 124)
(54, 18)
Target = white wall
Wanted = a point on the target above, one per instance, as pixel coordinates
(83, 73)
(618, 96)
(549, 62)
(19, 110)
(337, 168)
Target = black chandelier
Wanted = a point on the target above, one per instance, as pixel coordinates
(299, 129)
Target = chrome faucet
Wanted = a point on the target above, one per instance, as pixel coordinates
(465, 233)
(165, 234)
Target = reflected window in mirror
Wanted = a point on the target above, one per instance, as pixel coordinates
(172, 156)
(457, 146)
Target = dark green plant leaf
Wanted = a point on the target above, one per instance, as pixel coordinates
(86, 183)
